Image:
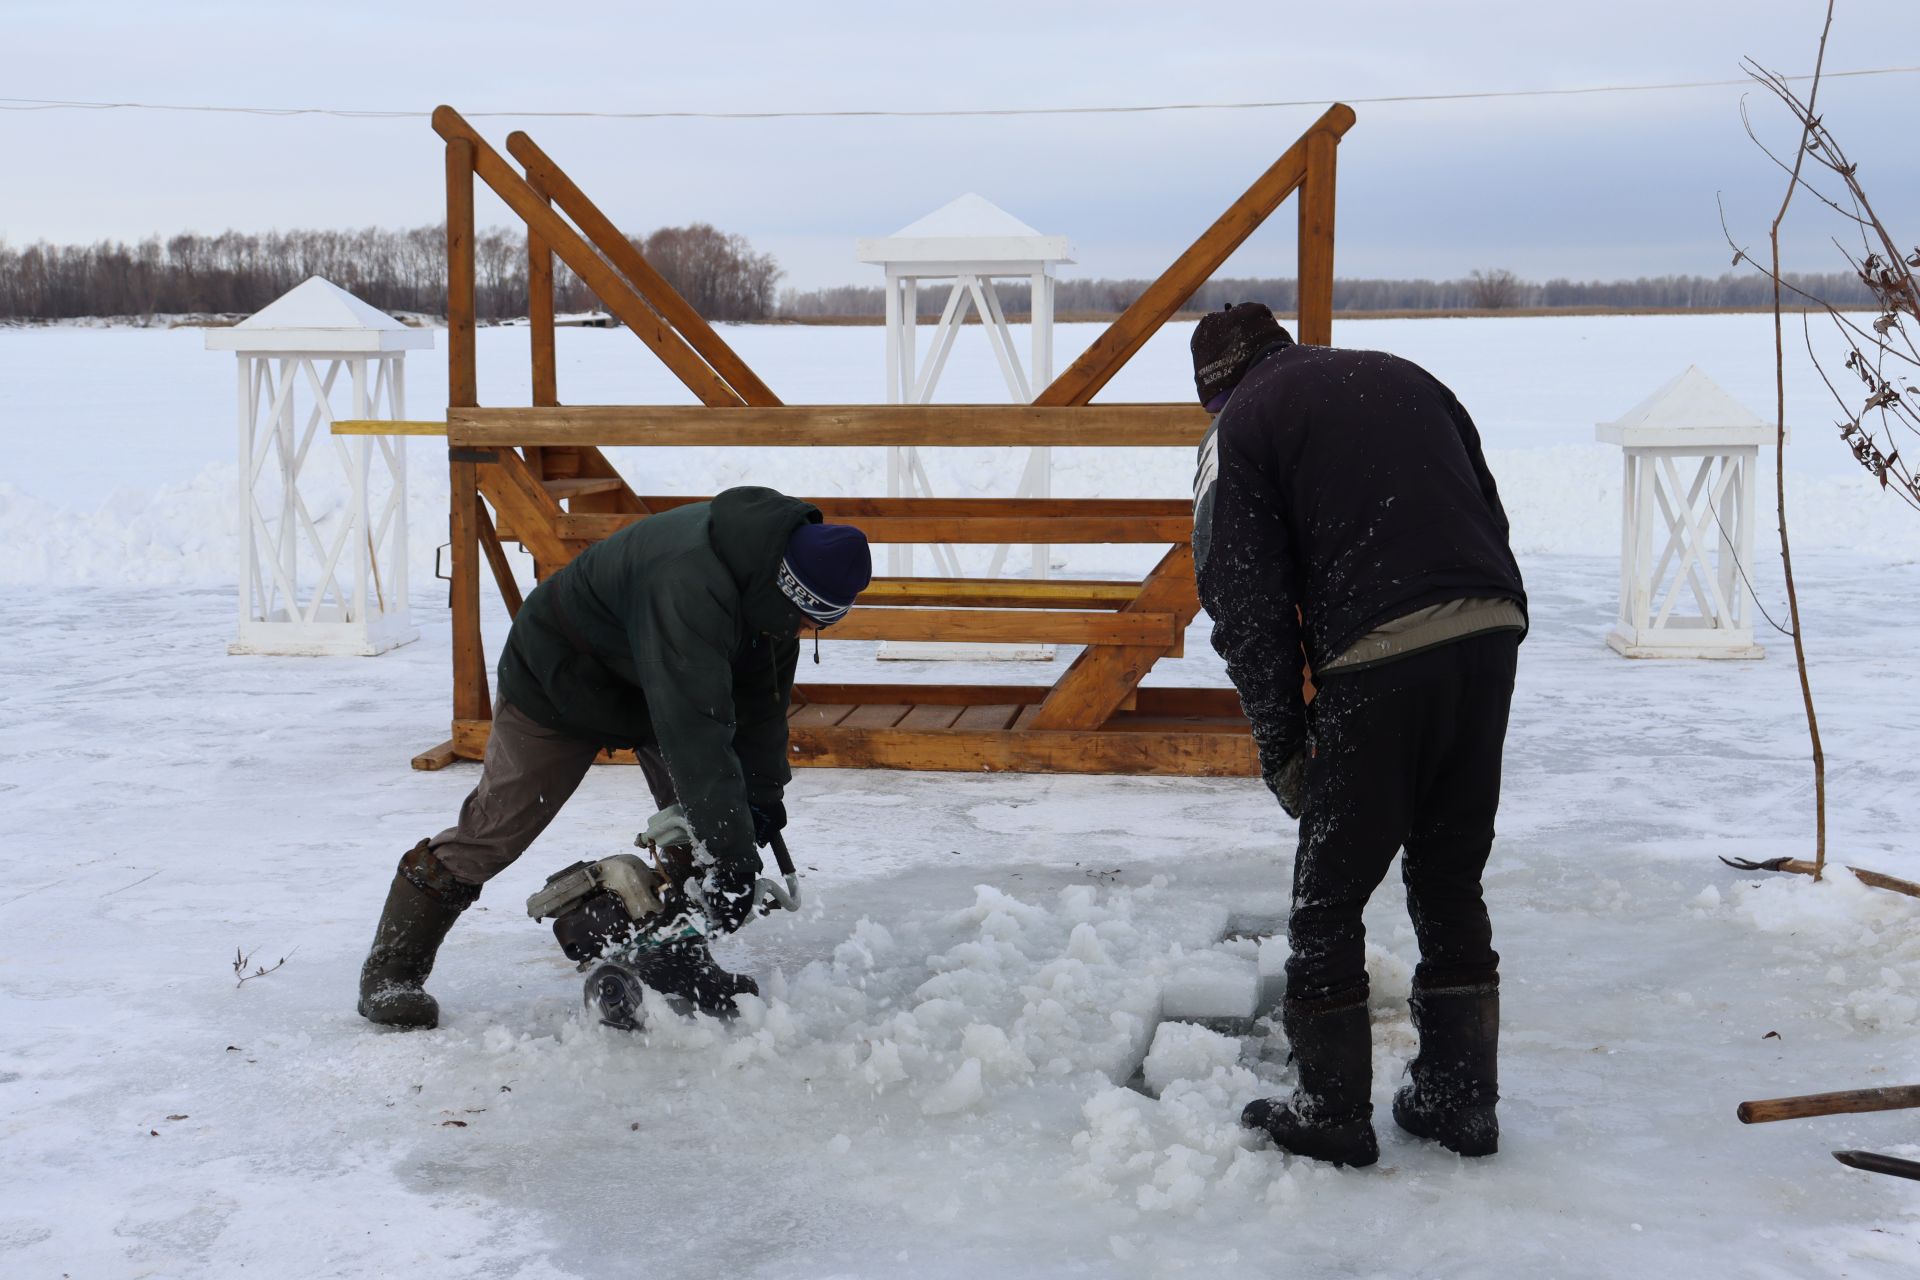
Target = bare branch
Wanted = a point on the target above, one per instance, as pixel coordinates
(241, 959)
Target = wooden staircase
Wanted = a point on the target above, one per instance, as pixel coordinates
(537, 476)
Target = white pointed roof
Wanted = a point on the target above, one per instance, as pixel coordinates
(318, 316)
(971, 231)
(1690, 409)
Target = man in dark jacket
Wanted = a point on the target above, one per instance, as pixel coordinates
(1343, 508)
(677, 637)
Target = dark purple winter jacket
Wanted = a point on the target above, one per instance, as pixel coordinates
(1348, 484)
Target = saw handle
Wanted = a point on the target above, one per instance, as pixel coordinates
(770, 893)
(780, 854)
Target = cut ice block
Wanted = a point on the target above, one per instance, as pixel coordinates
(1211, 985)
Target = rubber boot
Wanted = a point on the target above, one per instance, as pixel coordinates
(1455, 1077)
(686, 973)
(1330, 1115)
(422, 904)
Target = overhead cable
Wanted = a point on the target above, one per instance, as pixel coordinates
(56, 104)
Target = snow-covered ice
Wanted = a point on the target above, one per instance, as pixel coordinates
(940, 1077)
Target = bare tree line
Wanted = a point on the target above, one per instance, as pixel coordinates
(236, 273)
(1493, 290)
(397, 271)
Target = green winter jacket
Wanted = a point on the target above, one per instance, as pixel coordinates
(674, 632)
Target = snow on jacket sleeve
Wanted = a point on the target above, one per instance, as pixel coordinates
(682, 654)
(1244, 566)
(761, 689)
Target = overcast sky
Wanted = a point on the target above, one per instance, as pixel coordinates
(1600, 186)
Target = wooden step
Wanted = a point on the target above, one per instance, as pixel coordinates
(985, 738)
(577, 486)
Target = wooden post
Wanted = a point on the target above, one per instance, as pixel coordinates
(546, 391)
(1316, 240)
(470, 698)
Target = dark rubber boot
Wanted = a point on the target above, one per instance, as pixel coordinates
(685, 970)
(1330, 1115)
(1455, 1077)
(422, 904)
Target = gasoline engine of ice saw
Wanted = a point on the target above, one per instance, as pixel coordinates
(616, 917)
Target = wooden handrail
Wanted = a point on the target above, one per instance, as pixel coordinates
(1083, 379)
(1007, 626)
(560, 236)
(649, 283)
(1174, 527)
(1001, 593)
(928, 425)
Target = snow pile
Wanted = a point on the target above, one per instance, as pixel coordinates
(1867, 941)
(181, 534)
(945, 1012)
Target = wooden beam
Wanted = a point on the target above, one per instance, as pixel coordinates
(1315, 246)
(856, 508)
(1178, 426)
(497, 557)
(956, 695)
(1008, 626)
(386, 427)
(998, 750)
(989, 747)
(1153, 700)
(546, 379)
(462, 379)
(470, 698)
(548, 177)
(1000, 593)
(436, 758)
(578, 486)
(990, 530)
(613, 291)
(1096, 366)
(531, 512)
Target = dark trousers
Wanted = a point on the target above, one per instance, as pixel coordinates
(528, 772)
(1405, 755)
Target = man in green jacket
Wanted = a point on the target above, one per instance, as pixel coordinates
(676, 637)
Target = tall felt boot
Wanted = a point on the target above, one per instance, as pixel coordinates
(1330, 1115)
(1455, 1077)
(422, 904)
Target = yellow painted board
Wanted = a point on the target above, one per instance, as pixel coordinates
(386, 427)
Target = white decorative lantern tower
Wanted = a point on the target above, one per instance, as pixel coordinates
(971, 243)
(968, 244)
(1690, 451)
(323, 518)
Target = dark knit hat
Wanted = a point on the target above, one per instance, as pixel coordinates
(825, 567)
(1225, 343)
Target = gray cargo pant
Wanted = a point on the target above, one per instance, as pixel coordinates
(527, 774)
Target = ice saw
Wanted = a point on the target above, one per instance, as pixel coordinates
(626, 926)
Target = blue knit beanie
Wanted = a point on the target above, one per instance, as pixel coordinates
(825, 567)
